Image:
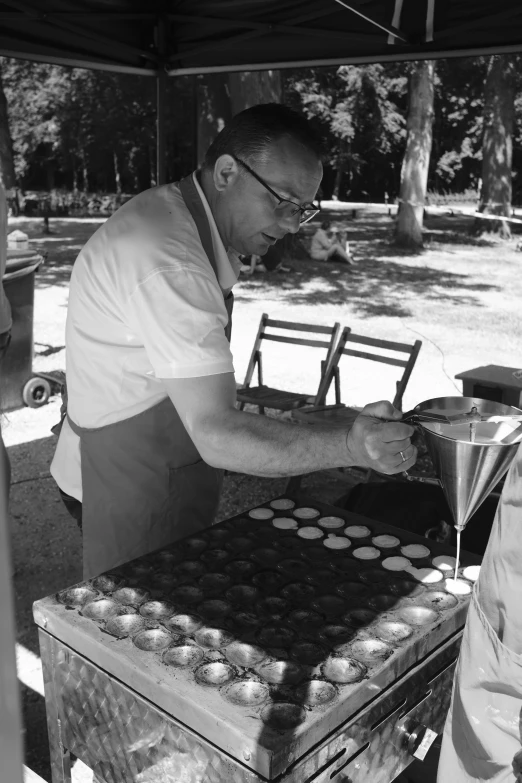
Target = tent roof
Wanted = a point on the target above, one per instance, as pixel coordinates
(194, 36)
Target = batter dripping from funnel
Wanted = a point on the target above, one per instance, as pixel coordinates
(471, 443)
(482, 734)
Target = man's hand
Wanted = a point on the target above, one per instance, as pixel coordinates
(379, 440)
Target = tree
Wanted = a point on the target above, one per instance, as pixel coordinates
(213, 110)
(497, 145)
(222, 95)
(359, 110)
(82, 130)
(456, 153)
(248, 88)
(416, 161)
(7, 170)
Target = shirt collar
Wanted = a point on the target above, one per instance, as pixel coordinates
(227, 262)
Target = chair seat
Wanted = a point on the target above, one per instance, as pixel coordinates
(267, 397)
(331, 415)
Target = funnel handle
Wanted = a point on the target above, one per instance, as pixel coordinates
(417, 417)
(422, 479)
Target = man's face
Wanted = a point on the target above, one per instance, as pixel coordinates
(247, 214)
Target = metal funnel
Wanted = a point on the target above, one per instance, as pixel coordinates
(469, 469)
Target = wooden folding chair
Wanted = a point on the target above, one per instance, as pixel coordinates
(407, 363)
(402, 355)
(268, 397)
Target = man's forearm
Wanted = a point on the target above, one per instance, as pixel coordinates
(262, 446)
(249, 443)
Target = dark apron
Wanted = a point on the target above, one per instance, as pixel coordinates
(144, 482)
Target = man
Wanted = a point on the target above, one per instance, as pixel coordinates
(483, 734)
(152, 419)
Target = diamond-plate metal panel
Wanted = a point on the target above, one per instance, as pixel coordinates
(123, 739)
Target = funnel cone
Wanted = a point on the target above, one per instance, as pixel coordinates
(467, 470)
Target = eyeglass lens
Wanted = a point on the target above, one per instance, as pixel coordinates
(291, 209)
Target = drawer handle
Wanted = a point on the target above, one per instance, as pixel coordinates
(442, 669)
(388, 715)
(352, 757)
(415, 704)
(325, 766)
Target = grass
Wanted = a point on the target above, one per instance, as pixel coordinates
(460, 295)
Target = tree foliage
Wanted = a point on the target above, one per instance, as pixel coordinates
(95, 131)
(360, 110)
(91, 130)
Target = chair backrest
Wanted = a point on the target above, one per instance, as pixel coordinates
(328, 342)
(405, 358)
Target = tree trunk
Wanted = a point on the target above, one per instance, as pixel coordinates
(7, 169)
(117, 176)
(414, 174)
(85, 172)
(339, 170)
(213, 110)
(249, 88)
(497, 145)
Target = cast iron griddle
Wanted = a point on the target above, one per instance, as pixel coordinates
(261, 641)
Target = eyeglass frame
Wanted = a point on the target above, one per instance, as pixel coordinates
(313, 208)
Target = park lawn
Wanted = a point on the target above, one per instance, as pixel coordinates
(462, 296)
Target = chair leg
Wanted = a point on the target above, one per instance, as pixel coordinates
(294, 484)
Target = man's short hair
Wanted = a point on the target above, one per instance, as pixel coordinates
(249, 134)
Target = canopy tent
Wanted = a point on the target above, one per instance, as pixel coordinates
(161, 38)
(194, 36)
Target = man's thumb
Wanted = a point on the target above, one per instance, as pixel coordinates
(382, 410)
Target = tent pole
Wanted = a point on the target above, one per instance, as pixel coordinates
(161, 96)
(11, 751)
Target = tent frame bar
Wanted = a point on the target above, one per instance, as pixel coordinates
(402, 56)
(385, 27)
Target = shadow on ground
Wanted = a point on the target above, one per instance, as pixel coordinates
(60, 246)
(378, 284)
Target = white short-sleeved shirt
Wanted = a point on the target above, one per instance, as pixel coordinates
(144, 304)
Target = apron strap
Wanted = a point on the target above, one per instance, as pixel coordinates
(196, 208)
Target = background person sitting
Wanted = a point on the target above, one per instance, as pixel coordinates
(326, 247)
(272, 261)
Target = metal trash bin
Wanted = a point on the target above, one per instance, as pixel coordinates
(18, 385)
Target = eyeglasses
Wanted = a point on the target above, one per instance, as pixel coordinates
(284, 206)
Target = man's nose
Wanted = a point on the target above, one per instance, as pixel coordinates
(291, 223)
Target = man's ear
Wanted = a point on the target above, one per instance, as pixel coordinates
(226, 172)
